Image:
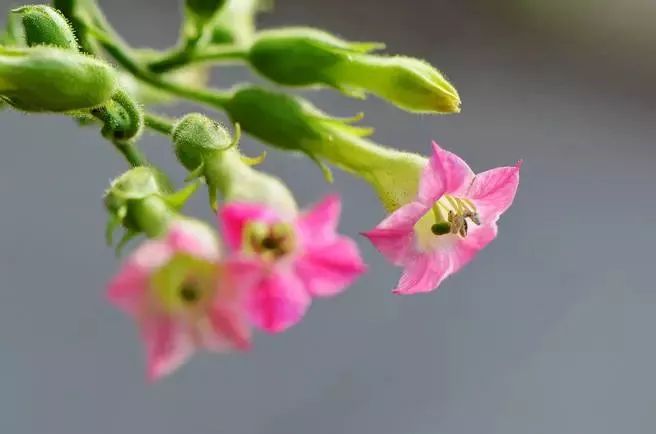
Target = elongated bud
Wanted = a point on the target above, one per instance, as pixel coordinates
(43, 25)
(291, 123)
(54, 79)
(208, 151)
(121, 116)
(142, 201)
(308, 57)
(286, 121)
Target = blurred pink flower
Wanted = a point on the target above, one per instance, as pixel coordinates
(453, 216)
(292, 259)
(181, 296)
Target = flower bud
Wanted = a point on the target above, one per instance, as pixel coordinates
(291, 123)
(235, 23)
(204, 10)
(54, 79)
(43, 25)
(142, 201)
(208, 151)
(121, 116)
(306, 57)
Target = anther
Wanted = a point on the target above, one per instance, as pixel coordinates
(189, 293)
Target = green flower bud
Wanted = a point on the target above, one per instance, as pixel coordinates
(142, 201)
(208, 151)
(235, 23)
(121, 116)
(54, 79)
(291, 123)
(43, 25)
(307, 57)
(204, 10)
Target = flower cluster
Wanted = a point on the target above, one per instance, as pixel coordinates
(187, 292)
(190, 287)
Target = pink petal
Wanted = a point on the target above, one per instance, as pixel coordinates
(192, 237)
(493, 191)
(424, 273)
(278, 301)
(227, 315)
(466, 249)
(329, 269)
(234, 216)
(319, 224)
(229, 329)
(167, 345)
(127, 289)
(445, 173)
(394, 236)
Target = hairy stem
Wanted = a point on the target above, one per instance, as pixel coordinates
(161, 124)
(133, 156)
(180, 58)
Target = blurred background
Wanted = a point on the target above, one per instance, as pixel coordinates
(549, 331)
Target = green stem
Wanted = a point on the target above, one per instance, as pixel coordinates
(159, 123)
(133, 156)
(183, 57)
(122, 54)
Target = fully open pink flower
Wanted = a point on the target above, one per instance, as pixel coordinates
(453, 216)
(181, 297)
(292, 259)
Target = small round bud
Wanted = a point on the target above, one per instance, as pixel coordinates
(441, 228)
(142, 201)
(195, 136)
(235, 22)
(204, 10)
(207, 150)
(54, 79)
(43, 25)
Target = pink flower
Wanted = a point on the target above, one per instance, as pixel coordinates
(292, 259)
(453, 216)
(181, 297)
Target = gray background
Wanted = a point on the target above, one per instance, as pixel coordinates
(550, 330)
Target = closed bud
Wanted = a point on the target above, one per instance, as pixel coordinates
(291, 123)
(209, 152)
(43, 25)
(307, 57)
(121, 116)
(285, 121)
(54, 79)
(235, 23)
(142, 201)
(204, 10)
